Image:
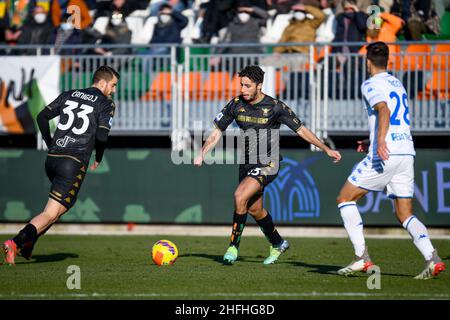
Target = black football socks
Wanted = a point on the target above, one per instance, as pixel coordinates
(238, 226)
(268, 228)
(27, 234)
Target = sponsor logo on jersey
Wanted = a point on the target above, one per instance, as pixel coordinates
(63, 142)
(256, 120)
(110, 121)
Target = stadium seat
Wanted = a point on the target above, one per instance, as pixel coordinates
(141, 13)
(160, 88)
(438, 86)
(217, 86)
(100, 24)
(186, 33)
(440, 58)
(417, 57)
(319, 56)
(135, 24)
(146, 33)
(195, 84)
(275, 29)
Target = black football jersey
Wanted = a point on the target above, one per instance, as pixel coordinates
(81, 112)
(259, 124)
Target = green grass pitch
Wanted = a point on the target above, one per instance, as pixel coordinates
(120, 267)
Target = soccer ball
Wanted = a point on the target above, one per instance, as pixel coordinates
(164, 252)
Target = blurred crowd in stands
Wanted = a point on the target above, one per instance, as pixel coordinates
(141, 22)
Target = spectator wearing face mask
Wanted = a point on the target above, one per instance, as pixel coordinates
(302, 28)
(117, 32)
(37, 30)
(167, 29)
(351, 26)
(66, 34)
(245, 28)
(59, 10)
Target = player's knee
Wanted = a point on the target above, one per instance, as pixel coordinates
(240, 200)
(342, 198)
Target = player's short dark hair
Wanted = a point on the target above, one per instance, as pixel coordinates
(165, 6)
(106, 73)
(254, 73)
(378, 54)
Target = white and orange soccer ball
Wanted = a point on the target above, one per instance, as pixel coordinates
(164, 252)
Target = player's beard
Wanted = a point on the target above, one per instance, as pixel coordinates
(250, 97)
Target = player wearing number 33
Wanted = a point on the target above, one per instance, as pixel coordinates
(389, 163)
(85, 120)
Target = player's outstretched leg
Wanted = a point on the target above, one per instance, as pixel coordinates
(278, 244)
(421, 239)
(29, 234)
(231, 254)
(244, 193)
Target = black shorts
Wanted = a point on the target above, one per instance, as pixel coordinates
(264, 174)
(66, 175)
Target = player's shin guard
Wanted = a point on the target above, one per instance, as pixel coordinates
(27, 234)
(420, 236)
(238, 227)
(354, 226)
(268, 228)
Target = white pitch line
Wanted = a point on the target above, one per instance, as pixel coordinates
(222, 231)
(227, 294)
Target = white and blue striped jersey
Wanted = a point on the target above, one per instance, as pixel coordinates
(383, 87)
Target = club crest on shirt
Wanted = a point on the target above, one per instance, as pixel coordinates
(242, 109)
(265, 111)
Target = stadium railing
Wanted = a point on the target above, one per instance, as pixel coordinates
(185, 88)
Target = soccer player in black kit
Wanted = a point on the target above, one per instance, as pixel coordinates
(259, 117)
(85, 120)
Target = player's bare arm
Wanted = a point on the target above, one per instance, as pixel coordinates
(383, 125)
(210, 143)
(310, 137)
